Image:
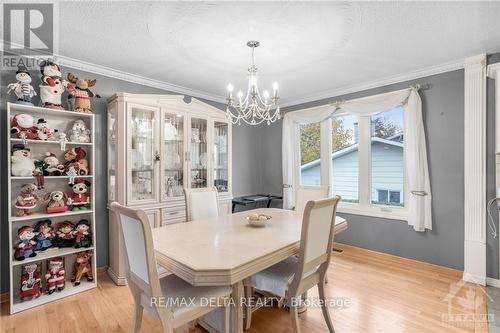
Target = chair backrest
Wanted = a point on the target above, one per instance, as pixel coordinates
(201, 204)
(307, 193)
(137, 241)
(316, 243)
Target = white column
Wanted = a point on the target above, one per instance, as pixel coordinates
(475, 170)
(494, 73)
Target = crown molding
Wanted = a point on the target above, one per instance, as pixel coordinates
(413, 75)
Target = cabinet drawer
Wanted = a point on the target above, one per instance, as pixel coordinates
(173, 213)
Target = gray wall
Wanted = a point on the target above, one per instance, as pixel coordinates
(443, 108)
(246, 149)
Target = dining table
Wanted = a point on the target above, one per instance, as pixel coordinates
(226, 250)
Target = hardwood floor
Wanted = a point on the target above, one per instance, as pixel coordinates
(384, 294)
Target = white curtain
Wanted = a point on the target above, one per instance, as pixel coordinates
(417, 173)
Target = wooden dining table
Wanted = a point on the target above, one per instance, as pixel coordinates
(226, 250)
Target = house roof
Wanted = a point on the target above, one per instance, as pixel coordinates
(350, 149)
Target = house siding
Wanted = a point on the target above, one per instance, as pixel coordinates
(387, 172)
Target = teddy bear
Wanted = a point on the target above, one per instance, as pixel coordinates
(79, 199)
(79, 132)
(23, 126)
(54, 167)
(44, 131)
(56, 201)
(24, 248)
(26, 200)
(81, 93)
(52, 85)
(77, 154)
(22, 165)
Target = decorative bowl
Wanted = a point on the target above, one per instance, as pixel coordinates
(261, 221)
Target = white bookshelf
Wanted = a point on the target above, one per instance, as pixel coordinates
(62, 120)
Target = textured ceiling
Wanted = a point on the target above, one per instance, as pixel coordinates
(309, 48)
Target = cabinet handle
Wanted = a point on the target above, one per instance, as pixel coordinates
(173, 213)
(157, 156)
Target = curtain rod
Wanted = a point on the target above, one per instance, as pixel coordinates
(418, 86)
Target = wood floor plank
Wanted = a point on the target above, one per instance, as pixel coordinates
(385, 293)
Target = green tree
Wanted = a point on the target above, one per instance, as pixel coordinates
(310, 148)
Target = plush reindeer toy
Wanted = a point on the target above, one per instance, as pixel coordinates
(82, 93)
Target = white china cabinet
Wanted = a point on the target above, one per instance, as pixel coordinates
(159, 145)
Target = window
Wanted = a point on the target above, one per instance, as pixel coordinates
(366, 161)
(387, 156)
(345, 158)
(310, 154)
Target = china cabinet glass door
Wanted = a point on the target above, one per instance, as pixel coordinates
(198, 159)
(221, 157)
(173, 154)
(143, 154)
(112, 155)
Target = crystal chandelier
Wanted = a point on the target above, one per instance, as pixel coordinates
(254, 108)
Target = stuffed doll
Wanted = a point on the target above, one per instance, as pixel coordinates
(56, 202)
(25, 247)
(39, 173)
(72, 172)
(22, 165)
(83, 235)
(27, 200)
(64, 234)
(81, 93)
(55, 275)
(31, 282)
(43, 130)
(82, 266)
(23, 126)
(23, 89)
(80, 198)
(54, 167)
(44, 235)
(79, 132)
(52, 85)
(77, 154)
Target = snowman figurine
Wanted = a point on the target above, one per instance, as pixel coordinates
(23, 89)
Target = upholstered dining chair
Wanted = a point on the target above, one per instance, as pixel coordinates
(306, 193)
(162, 298)
(201, 204)
(292, 277)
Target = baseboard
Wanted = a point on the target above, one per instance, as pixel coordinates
(472, 278)
(119, 281)
(493, 282)
(4, 298)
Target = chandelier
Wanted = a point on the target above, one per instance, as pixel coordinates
(253, 109)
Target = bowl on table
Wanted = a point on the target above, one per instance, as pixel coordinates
(258, 220)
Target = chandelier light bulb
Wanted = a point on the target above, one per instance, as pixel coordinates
(266, 94)
(240, 94)
(230, 88)
(275, 86)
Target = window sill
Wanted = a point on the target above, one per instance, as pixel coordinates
(374, 211)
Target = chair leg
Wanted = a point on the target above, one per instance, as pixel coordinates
(324, 309)
(227, 318)
(294, 316)
(192, 325)
(248, 308)
(137, 317)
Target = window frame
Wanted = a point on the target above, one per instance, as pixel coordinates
(364, 207)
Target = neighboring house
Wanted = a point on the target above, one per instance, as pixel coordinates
(387, 171)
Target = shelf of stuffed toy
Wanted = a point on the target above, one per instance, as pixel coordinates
(58, 196)
(51, 253)
(50, 279)
(20, 108)
(52, 142)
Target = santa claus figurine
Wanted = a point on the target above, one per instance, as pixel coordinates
(23, 126)
(31, 283)
(55, 275)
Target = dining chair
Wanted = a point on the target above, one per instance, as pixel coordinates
(201, 204)
(306, 193)
(170, 299)
(290, 278)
